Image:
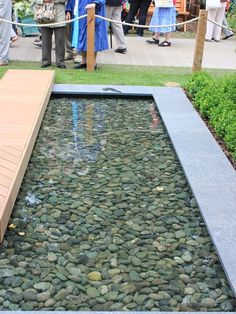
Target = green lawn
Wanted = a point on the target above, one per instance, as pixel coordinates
(115, 74)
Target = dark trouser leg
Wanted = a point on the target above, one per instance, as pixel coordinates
(133, 10)
(143, 15)
(46, 45)
(60, 45)
(68, 39)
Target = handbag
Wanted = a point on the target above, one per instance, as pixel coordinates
(164, 3)
(45, 13)
(213, 4)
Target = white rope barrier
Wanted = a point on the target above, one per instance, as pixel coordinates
(98, 16)
(145, 26)
(112, 21)
(225, 27)
(44, 25)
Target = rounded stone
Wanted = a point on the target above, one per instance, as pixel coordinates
(95, 276)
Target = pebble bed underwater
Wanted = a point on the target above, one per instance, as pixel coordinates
(105, 219)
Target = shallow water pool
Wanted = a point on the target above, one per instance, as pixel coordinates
(105, 220)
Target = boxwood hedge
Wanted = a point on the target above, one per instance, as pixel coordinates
(216, 100)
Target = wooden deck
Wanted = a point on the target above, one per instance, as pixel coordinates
(24, 95)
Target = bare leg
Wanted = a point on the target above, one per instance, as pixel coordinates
(167, 36)
(156, 36)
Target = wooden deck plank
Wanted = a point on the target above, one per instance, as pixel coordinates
(7, 164)
(5, 181)
(6, 172)
(2, 199)
(15, 151)
(3, 190)
(21, 113)
(8, 156)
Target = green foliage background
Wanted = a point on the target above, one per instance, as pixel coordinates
(231, 16)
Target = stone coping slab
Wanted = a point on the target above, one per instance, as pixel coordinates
(209, 173)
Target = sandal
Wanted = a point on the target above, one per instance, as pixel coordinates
(165, 44)
(153, 41)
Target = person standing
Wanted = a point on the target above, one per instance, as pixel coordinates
(135, 6)
(113, 11)
(227, 32)
(59, 33)
(163, 16)
(5, 30)
(213, 32)
(73, 36)
(101, 40)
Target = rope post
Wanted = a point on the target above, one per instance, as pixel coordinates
(200, 38)
(90, 39)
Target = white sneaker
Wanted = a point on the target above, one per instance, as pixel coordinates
(77, 58)
(69, 56)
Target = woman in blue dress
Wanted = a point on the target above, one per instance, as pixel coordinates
(101, 40)
(162, 16)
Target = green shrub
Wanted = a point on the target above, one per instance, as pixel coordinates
(216, 100)
(230, 138)
(209, 97)
(222, 117)
(230, 87)
(197, 82)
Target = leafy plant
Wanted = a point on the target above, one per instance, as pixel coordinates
(197, 82)
(24, 8)
(231, 16)
(216, 100)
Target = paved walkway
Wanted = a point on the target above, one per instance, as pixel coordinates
(216, 55)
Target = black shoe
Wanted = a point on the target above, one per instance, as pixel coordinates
(119, 50)
(38, 44)
(228, 36)
(153, 41)
(45, 65)
(61, 66)
(81, 66)
(37, 40)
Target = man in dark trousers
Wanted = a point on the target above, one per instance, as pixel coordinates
(136, 6)
(113, 11)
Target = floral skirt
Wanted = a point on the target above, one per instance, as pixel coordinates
(163, 16)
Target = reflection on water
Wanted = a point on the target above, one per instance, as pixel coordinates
(105, 220)
(87, 126)
(31, 199)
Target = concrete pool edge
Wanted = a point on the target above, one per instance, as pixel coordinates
(208, 171)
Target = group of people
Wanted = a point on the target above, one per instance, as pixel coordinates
(68, 9)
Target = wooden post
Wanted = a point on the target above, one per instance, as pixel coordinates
(199, 44)
(90, 39)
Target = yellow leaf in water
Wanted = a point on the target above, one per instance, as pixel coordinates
(12, 226)
(159, 188)
(21, 233)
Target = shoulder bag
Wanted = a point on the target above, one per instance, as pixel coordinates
(45, 13)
